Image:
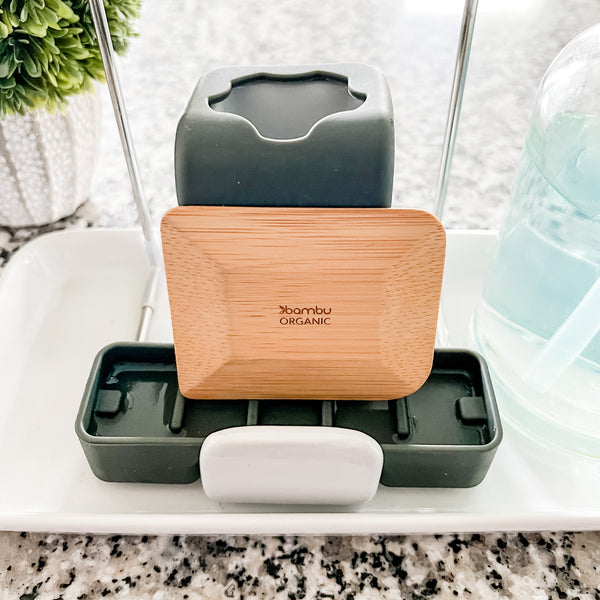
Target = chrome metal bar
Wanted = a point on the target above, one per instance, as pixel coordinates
(148, 304)
(120, 112)
(458, 86)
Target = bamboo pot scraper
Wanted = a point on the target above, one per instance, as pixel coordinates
(302, 303)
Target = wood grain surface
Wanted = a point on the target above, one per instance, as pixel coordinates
(302, 303)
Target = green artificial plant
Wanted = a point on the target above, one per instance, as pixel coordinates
(49, 50)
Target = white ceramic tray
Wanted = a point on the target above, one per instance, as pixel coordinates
(65, 295)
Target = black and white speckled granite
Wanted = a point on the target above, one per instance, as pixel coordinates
(534, 565)
(413, 42)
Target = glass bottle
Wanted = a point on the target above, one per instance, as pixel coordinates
(539, 321)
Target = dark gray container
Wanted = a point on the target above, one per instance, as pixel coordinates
(312, 136)
(135, 426)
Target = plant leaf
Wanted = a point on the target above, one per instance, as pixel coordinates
(35, 29)
(49, 49)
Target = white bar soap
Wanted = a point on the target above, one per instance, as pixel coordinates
(290, 465)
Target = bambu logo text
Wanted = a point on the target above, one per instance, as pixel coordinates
(306, 315)
(305, 310)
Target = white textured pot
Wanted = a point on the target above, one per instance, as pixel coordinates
(47, 161)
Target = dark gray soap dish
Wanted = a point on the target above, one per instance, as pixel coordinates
(135, 426)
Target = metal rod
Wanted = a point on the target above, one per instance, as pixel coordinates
(118, 103)
(148, 303)
(458, 86)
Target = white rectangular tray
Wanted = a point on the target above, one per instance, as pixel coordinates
(66, 295)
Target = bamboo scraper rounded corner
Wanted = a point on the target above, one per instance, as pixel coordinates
(302, 303)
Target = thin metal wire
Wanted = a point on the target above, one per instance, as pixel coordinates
(458, 86)
(120, 112)
(148, 304)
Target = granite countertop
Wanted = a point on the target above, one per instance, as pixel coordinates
(413, 42)
(477, 566)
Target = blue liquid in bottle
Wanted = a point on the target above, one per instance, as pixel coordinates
(547, 259)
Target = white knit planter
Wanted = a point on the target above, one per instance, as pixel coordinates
(47, 161)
